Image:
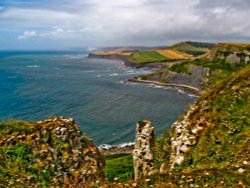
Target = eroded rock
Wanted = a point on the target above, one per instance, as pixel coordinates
(142, 154)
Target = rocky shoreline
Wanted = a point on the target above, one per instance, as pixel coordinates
(117, 149)
(190, 88)
(126, 62)
(158, 65)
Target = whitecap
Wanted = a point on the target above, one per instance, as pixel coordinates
(108, 146)
(114, 74)
(191, 95)
(181, 91)
(33, 66)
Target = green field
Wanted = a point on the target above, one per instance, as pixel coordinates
(147, 57)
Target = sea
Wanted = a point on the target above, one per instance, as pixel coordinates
(37, 84)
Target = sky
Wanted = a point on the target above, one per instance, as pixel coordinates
(65, 24)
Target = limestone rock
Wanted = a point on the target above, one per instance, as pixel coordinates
(57, 145)
(142, 154)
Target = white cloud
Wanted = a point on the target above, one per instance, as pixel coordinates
(28, 35)
(128, 22)
(56, 33)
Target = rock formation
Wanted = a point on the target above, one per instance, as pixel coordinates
(142, 154)
(55, 149)
(230, 53)
(184, 137)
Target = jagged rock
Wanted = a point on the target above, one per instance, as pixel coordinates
(184, 149)
(58, 146)
(142, 154)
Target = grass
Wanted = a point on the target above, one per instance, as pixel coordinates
(189, 49)
(180, 68)
(223, 146)
(219, 65)
(147, 57)
(119, 166)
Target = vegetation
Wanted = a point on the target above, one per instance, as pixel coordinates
(190, 48)
(223, 146)
(16, 159)
(147, 57)
(201, 44)
(31, 155)
(119, 166)
(180, 68)
(52, 152)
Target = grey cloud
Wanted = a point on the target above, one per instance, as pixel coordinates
(233, 4)
(131, 22)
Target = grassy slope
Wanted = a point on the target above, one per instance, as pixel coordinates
(189, 49)
(147, 57)
(224, 145)
(218, 69)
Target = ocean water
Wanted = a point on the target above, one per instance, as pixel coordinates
(35, 85)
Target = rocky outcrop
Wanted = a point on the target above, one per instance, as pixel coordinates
(230, 53)
(142, 154)
(196, 77)
(56, 147)
(184, 137)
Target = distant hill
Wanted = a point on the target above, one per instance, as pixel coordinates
(201, 44)
(203, 71)
(143, 55)
(193, 48)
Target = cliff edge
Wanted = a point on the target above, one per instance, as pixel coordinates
(51, 152)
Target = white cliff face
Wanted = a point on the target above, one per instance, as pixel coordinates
(185, 136)
(142, 154)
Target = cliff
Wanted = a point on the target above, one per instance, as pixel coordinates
(51, 152)
(213, 136)
(230, 53)
(207, 147)
(205, 70)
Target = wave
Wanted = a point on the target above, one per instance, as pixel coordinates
(114, 74)
(192, 95)
(122, 145)
(33, 66)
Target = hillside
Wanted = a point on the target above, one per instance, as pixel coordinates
(203, 72)
(230, 53)
(208, 146)
(193, 48)
(135, 56)
(211, 141)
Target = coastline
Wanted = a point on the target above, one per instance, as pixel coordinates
(190, 88)
(126, 62)
(125, 148)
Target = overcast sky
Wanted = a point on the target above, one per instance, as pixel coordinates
(58, 24)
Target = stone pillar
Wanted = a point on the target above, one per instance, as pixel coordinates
(142, 154)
